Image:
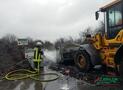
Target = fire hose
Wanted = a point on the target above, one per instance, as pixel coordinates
(25, 73)
(17, 75)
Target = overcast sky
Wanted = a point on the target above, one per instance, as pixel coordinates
(47, 19)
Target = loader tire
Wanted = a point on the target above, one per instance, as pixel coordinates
(82, 61)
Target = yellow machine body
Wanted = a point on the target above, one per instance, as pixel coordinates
(109, 46)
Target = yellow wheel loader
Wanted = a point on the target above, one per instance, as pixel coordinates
(102, 49)
(105, 49)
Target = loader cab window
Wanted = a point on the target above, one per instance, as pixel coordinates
(114, 20)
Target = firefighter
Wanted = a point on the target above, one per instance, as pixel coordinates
(38, 56)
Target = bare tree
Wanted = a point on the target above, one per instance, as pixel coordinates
(31, 42)
(10, 53)
(9, 38)
(59, 43)
(101, 28)
(84, 34)
(48, 45)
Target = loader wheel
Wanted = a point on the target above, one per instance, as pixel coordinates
(82, 61)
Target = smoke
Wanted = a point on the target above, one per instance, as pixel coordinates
(51, 55)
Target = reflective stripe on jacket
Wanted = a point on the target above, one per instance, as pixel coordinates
(37, 54)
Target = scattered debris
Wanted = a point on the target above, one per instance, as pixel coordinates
(92, 78)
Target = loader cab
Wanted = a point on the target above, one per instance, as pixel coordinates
(113, 16)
